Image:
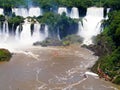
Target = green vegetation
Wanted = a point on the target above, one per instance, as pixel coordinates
(13, 22)
(5, 55)
(108, 48)
(53, 4)
(47, 4)
(113, 4)
(2, 18)
(16, 20)
(12, 3)
(56, 22)
(67, 3)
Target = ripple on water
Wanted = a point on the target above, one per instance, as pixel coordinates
(39, 69)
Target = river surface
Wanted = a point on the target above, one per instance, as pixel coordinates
(51, 68)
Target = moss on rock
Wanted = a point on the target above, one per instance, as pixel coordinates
(5, 55)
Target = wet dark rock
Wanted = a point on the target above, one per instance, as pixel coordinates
(70, 39)
(48, 42)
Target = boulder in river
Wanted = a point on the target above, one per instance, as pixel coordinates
(5, 55)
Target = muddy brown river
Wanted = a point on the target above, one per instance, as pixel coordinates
(51, 68)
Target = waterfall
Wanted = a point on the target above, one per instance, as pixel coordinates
(91, 24)
(108, 10)
(74, 13)
(5, 30)
(46, 31)
(32, 11)
(17, 33)
(25, 36)
(62, 9)
(58, 34)
(20, 12)
(0, 29)
(80, 28)
(36, 32)
(1, 11)
(35, 11)
(39, 35)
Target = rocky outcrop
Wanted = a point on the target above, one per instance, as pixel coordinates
(5, 55)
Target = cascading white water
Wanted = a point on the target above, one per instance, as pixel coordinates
(39, 35)
(35, 11)
(17, 34)
(1, 11)
(36, 32)
(5, 28)
(89, 27)
(74, 13)
(46, 31)
(62, 9)
(21, 12)
(25, 36)
(5, 37)
(5, 32)
(91, 24)
(58, 34)
(108, 10)
(32, 11)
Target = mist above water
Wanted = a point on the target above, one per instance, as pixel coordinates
(23, 35)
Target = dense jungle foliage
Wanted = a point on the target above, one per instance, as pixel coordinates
(108, 47)
(64, 24)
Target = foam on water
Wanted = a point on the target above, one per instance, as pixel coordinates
(91, 73)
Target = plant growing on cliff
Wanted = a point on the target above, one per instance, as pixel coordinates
(109, 40)
(15, 20)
